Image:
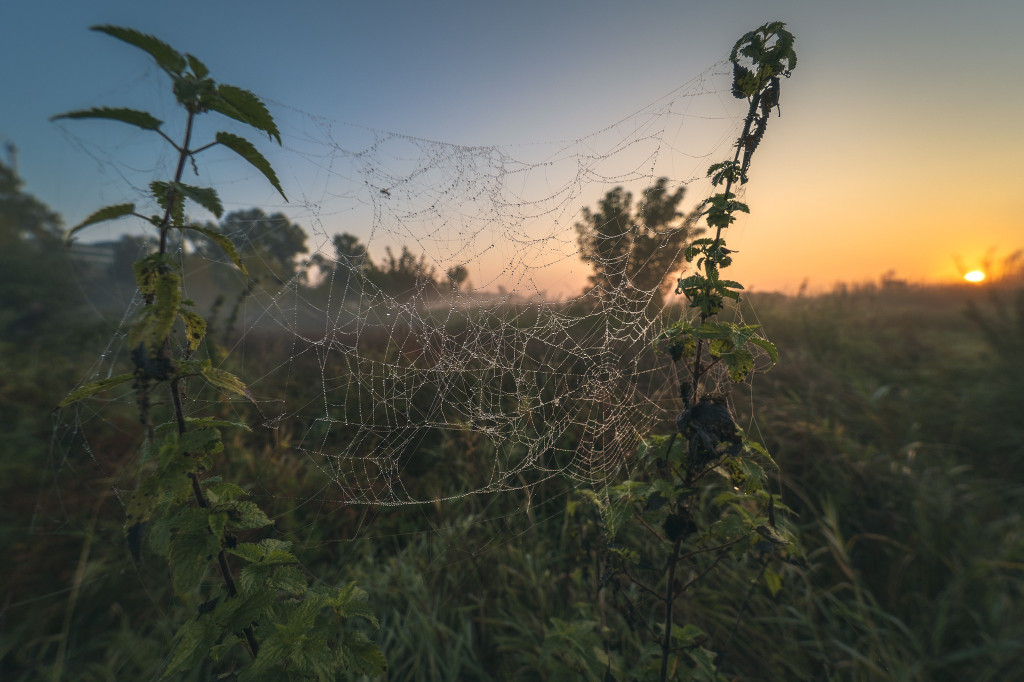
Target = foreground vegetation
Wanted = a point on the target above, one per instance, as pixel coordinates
(891, 551)
(893, 413)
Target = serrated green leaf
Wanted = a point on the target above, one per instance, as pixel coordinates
(221, 240)
(190, 557)
(216, 522)
(249, 516)
(194, 639)
(254, 577)
(289, 579)
(204, 422)
(166, 57)
(140, 119)
(167, 195)
(147, 271)
(102, 215)
(94, 387)
(247, 151)
(362, 655)
(164, 311)
(767, 346)
(247, 551)
(245, 609)
(204, 196)
(279, 557)
(226, 381)
(271, 545)
(195, 328)
(198, 68)
(351, 601)
(200, 441)
(220, 492)
(245, 107)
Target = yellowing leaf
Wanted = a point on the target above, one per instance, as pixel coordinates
(94, 387)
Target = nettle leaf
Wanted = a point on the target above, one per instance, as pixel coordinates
(767, 346)
(350, 601)
(94, 387)
(726, 287)
(204, 196)
(203, 422)
(165, 308)
(245, 107)
(190, 557)
(362, 655)
(226, 381)
(216, 522)
(254, 577)
(147, 271)
(191, 91)
(289, 579)
(219, 491)
(199, 69)
(166, 56)
(248, 516)
(241, 611)
(102, 215)
(195, 328)
(221, 240)
(194, 639)
(141, 119)
(200, 442)
(169, 199)
(726, 171)
(247, 151)
(248, 551)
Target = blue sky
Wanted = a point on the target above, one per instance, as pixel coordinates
(897, 148)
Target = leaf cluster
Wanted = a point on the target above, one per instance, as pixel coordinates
(197, 93)
(697, 500)
(291, 630)
(760, 56)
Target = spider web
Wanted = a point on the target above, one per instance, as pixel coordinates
(536, 372)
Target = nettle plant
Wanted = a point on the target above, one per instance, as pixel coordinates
(700, 497)
(264, 620)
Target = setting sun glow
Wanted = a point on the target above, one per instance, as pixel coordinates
(974, 276)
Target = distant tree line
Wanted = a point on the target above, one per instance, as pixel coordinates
(634, 250)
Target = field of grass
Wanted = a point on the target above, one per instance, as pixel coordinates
(894, 414)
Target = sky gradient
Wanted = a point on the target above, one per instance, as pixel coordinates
(897, 148)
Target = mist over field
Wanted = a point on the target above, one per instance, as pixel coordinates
(892, 413)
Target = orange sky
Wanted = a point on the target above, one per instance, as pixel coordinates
(898, 147)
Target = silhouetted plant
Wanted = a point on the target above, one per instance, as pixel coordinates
(291, 629)
(699, 497)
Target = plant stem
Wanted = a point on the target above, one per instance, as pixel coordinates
(670, 593)
(183, 154)
(179, 412)
(698, 365)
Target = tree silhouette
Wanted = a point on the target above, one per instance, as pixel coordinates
(634, 250)
(267, 244)
(350, 254)
(405, 275)
(457, 275)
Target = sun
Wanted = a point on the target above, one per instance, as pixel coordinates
(975, 276)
